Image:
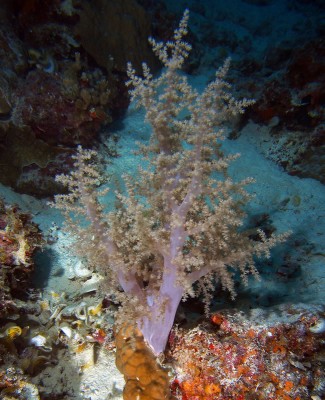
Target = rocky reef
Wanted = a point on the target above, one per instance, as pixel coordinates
(61, 82)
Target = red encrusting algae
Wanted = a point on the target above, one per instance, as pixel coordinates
(231, 359)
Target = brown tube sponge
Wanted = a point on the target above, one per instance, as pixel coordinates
(145, 378)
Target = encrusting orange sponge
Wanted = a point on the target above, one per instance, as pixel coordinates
(145, 378)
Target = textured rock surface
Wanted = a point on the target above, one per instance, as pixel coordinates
(115, 33)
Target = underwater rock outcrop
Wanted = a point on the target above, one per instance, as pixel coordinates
(54, 90)
(115, 33)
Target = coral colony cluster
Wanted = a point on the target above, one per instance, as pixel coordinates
(179, 222)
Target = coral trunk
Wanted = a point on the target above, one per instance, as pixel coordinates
(157, 326)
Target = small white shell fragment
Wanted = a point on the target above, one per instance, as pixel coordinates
(38, 341)
(297, 364)
(81, 311)
(319, 327)
(90, 339)
(57, 311)
(91, 284)
(79, 270)
(67, 331)
(77, 337)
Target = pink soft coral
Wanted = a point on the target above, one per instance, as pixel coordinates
(178, 222)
